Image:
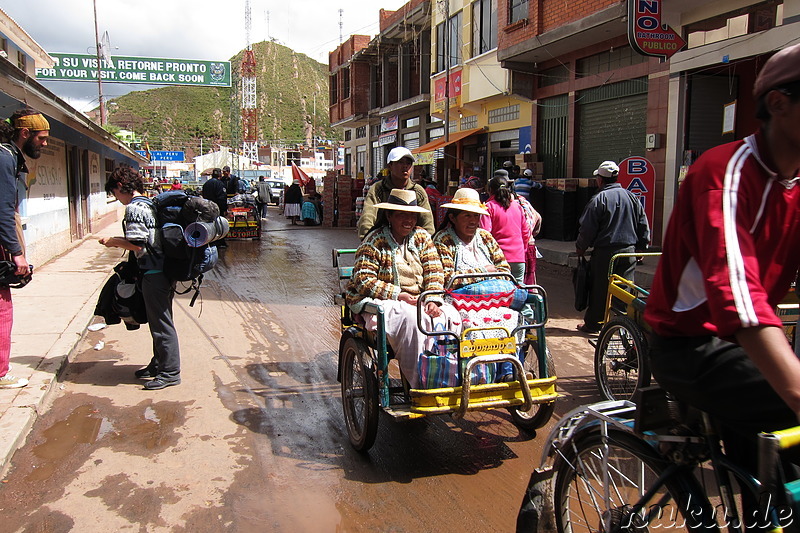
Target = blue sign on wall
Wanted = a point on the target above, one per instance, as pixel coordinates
(164, 155)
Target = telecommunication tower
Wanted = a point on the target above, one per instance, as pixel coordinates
(249, 109)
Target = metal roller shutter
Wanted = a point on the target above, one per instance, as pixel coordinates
(553, 140)
(707, 98)
(612, 124)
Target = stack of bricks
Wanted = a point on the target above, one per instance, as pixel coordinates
(329, 198)
(346, 200)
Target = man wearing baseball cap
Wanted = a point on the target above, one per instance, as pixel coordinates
(400, 164)
(730, 255)
(613, 222)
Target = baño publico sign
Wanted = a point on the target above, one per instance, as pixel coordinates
(153, 71)
(646, 34)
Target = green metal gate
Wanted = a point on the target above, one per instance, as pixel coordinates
(552, 148)
(612, 124)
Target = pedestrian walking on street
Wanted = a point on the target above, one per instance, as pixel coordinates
(24, 134)
(214, 190)
(613, 222)
(293, 201)
(140, 227)
(507, 223)
(264, 196)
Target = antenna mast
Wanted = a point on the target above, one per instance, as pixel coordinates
(341, 24)
(249, 109)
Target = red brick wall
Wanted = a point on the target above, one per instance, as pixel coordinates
(543, 16)
(344, 52)
(555, 13)
(359, 81)
(389, 18)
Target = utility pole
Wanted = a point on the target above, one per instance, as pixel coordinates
(99, 70)
(447, 70)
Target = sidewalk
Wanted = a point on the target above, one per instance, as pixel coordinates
(563, 253)
(52, 312)
(50, 317)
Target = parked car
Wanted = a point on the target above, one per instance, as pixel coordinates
(276, 190)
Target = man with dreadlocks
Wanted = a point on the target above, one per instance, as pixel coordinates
(23, 134)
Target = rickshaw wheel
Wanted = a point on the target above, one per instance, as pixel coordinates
(359, 394)
(621, 366)
(539, 414)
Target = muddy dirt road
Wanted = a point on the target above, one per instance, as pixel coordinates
(253, 439)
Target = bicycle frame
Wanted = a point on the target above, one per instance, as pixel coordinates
(619, 416)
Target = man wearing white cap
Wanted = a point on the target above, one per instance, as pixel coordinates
(731, 252)
(612, 222)
(400, 163)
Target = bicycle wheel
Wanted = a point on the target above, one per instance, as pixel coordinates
(620, 359)
(539, 414)
(588, 500)
(359, 394)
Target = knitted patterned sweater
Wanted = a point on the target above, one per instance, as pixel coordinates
(450, 247)
(375, 274)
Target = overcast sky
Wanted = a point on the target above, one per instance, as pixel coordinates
(186, 29)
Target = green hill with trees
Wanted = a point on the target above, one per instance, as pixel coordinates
(288, 86)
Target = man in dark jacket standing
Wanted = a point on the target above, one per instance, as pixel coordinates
(613, 222)
(214, 190)
(26, 132)
(231, 182)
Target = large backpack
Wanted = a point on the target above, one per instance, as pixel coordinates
(175, 211)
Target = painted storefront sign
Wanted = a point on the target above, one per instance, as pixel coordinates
(646, 34)
(638, 175)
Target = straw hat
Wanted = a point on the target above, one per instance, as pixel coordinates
(402, 200)
(467, 199)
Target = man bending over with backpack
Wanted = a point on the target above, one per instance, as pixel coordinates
(140, 227)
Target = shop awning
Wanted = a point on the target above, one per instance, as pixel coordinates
(441, 143)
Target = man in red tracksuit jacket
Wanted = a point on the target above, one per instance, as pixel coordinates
(731, 251)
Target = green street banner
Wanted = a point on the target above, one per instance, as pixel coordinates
(152, 71)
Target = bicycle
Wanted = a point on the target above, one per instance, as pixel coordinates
(620, 356)
(616, 467)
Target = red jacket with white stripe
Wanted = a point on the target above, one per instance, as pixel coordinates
(732, 246)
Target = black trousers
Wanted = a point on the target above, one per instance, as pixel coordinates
(719, 378)
(600, 261)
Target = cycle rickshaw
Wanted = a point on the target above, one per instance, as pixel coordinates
(367, 387)
(621, 365)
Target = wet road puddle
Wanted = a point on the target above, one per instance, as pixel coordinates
(150, 428)
(82, 426)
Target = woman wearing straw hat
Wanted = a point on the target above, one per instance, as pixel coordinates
(395, 263)
(463, 246)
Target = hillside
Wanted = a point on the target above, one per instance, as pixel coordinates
(176, 117)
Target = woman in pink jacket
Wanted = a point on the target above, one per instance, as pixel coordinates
(506, 222)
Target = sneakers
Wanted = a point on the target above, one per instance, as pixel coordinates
(12, 382)
(162, 382)
(146, 372)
